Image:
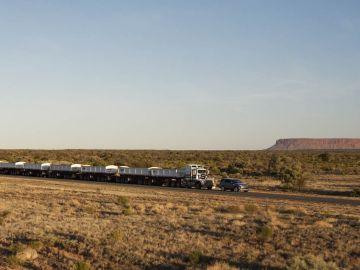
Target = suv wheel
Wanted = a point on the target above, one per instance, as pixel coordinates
(222, 189)
(236, 189)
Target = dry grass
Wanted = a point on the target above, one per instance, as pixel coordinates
(75, 226)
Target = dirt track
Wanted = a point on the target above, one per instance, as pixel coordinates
(252, 194)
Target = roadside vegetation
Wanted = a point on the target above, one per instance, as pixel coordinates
(307, 171)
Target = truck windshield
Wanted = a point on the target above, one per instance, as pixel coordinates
(201, 171)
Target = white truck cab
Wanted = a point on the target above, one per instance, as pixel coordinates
(196, 176)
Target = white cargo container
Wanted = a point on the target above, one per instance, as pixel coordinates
(76, 168)
(20, 165)
(111, 169)
(45, 166)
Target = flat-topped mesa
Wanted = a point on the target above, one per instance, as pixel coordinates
(316, 144)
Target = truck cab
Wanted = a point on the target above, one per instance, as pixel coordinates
(197, 176)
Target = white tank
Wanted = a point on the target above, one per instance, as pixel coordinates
(155, 168)
(45, 166)
(111, 169)
(20, 165)
(76, 167)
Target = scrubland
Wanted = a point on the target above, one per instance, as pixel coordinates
(321, 172)
(64, 225)
(326, 184)
(251, 163)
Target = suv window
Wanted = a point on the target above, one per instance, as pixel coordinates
(236, 181)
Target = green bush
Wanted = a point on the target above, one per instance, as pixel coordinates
(288, 170)
(195, 257)
(265, 233)
(82, 266)
(36, 244)
(123, 201)
(3, 216)
(128, 211)
(13, 261)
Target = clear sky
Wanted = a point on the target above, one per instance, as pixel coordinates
(194, 74)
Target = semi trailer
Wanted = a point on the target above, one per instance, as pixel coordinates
(192, 175)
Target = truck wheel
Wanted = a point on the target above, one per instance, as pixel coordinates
(236, 189)
(198, 186)
(222, 189)
(209, 188)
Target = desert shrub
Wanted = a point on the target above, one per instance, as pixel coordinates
(232, 169)
(251, 208)
(355, 192)
(195, 257)
(36, 244)
(310, 262)
(123, 201)
(128, 211)
(221, 266)
(82, 266)
(288, 170)
(17, 247)
(13, 261)
(299, 183)
(264, 233)
(326, 157)
(3, 216)
(232, 209)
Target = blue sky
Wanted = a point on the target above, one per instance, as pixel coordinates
(177, 74)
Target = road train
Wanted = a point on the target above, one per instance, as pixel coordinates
(191, 175)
